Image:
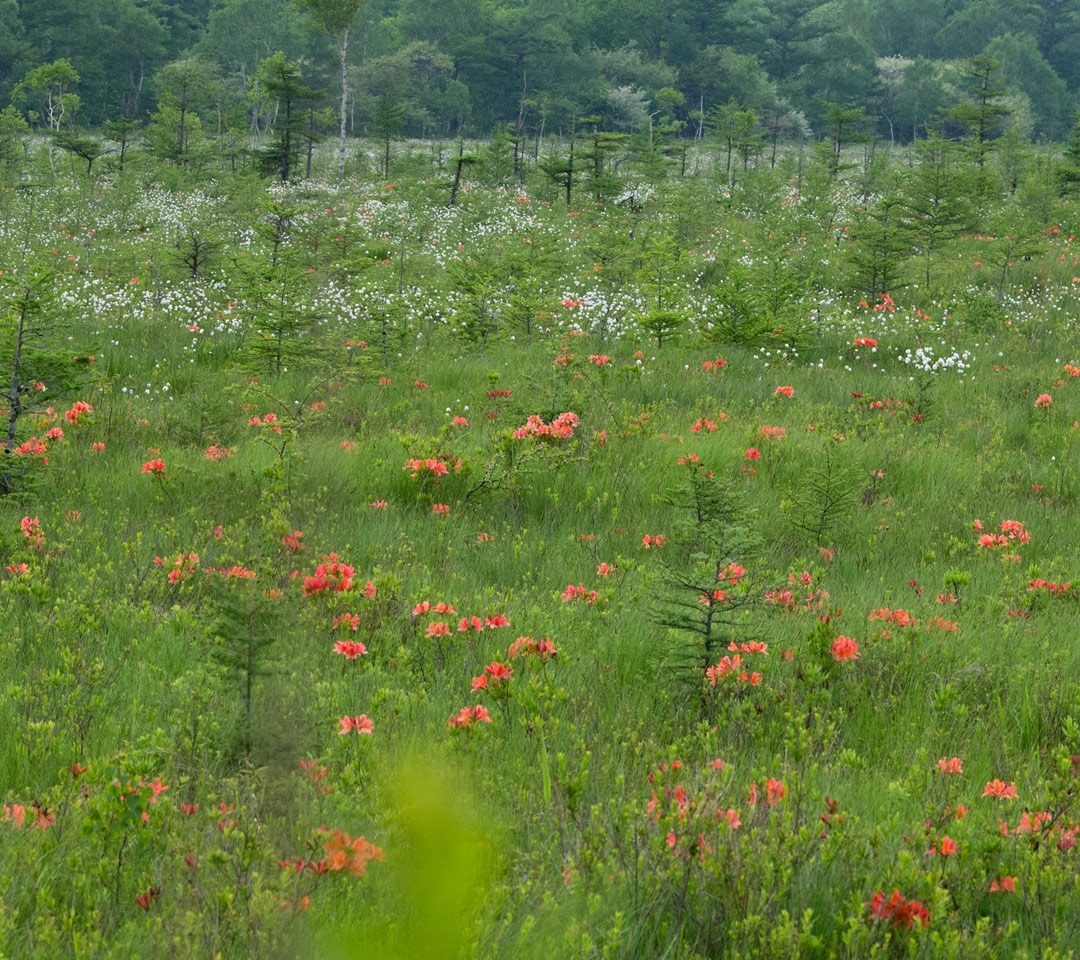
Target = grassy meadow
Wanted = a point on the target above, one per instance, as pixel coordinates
(386, 579)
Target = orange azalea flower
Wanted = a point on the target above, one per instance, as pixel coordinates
(997, 788)
(775, 791)
(349, 853)
(361, 724)
(845, 648)
(349, 649)
(899, 909)
(499, 672)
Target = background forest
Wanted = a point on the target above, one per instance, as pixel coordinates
(472, 66)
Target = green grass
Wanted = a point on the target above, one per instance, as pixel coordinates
(533, 835)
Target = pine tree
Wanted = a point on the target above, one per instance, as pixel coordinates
(35, 357)
(708, 599)
(242, 635)
(175, 130)
(122, 133)
(279, 321)
(825, 501)
(80, 145)
(560, 170)
(601, 145)
(747, 139)
(1069, 170)
(984, 109)
(841, 129)
(878, 243)
(463, 160)
(388, 122)
(935, 198)
(281, 81)
(723, 120)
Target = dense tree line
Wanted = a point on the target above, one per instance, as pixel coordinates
(450, 66)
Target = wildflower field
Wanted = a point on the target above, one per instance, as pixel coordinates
(688, 576)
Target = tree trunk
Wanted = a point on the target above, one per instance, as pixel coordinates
(286, 141)
(457, 175)
(344, 98)
(14, 406)
(13, 396)
(570, 172)
(519, 131)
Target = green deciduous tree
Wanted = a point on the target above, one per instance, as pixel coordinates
(919, 97)
(975, 23)
(335, 18)
(11, 45)
(1024, 69)
(241, 33)
(49, 89)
